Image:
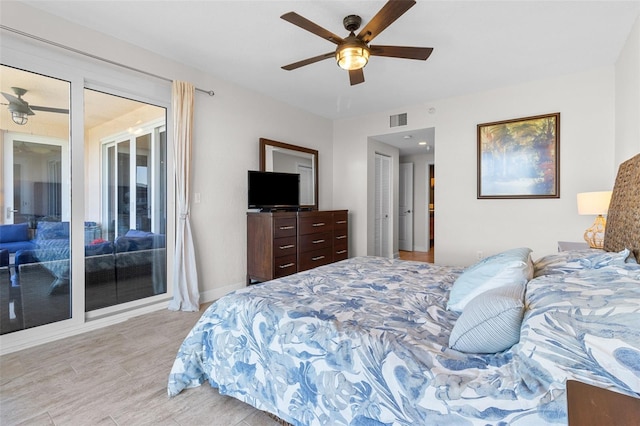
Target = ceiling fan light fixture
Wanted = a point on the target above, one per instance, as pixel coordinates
(353, 54)
(20, 118)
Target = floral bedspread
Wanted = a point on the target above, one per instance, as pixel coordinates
(364, 342)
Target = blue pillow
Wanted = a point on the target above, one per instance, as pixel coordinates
(52, 231)
(491, 322)
(14, 232)
(507, 268)
(570, 261)
(137, 233)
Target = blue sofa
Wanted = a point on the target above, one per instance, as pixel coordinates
(129, 257)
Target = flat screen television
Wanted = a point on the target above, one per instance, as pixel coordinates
(273, 190)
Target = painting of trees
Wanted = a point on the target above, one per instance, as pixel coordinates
(519, 158)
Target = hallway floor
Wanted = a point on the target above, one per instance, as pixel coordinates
(419, 256)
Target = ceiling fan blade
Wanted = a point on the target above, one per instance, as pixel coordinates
(15, 100)
(356, 76)
(385, 17)
(312, 27)
(18, 103)
(11, 98)
(404, 52)
(49, 109)
(308, 61)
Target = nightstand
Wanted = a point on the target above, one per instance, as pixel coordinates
(590, 405)
(571, 245)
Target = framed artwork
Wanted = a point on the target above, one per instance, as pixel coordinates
(520, 158)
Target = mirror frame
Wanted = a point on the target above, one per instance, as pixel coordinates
(263, 162)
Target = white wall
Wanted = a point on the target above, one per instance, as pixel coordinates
(628, 98)
(466, 225)
(227, 130)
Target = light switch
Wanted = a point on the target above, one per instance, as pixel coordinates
(196, 198)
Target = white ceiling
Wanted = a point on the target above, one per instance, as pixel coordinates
(478, 45)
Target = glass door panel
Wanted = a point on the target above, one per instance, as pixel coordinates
(128, 261)
(35, 281)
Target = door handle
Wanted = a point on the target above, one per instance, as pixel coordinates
(408, 211)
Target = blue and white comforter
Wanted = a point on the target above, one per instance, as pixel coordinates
(364, 342)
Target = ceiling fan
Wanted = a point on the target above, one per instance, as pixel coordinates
(353, 52)
(20, 109)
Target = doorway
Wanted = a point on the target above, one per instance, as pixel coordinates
(418, 148)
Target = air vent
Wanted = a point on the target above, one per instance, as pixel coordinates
(398, 120)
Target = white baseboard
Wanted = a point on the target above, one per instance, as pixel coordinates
(215, 294)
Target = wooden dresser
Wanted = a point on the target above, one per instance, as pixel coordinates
(283, 243)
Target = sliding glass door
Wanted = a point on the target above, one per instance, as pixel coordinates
(123, 217)
(126, 254)
(35, 284)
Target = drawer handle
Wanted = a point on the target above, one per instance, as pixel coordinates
(317, 241)
(341, 237)
(341, 252)
(288, 246)
(286, 265)
(317, 258)
(340, 222)
(318, 224)
(287, 227)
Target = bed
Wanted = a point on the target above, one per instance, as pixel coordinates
(375, 341)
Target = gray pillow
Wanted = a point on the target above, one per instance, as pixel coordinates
(490, 322)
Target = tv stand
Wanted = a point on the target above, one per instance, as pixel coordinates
(278, 209)
(282, 243)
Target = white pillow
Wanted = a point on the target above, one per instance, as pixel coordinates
(507, 268)
(491, 322)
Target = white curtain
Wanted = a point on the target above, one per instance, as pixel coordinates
(186, 296)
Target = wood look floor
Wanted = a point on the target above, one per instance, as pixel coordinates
(114, 376)
(420, 256)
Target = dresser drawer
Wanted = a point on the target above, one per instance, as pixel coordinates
(284, 227)
(340, 220)
(315, 241)
(312, 259)
(340, 248)
(284, 246)
(319, 222)
(285, 265)
(340, 254)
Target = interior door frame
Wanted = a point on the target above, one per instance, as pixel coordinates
(7, 164)
(429, 202)
(405, 218)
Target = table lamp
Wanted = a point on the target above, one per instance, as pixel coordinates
(595, 203)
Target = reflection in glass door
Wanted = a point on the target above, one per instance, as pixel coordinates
(126, 256)
(35, 281)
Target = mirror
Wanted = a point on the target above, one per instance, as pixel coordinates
(283, 157)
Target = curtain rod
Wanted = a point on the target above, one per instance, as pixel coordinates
(90, 55)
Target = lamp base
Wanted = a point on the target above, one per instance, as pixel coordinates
(594, 235)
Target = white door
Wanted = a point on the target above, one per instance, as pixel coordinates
(382, 205)
(306, 184)
(405, 198)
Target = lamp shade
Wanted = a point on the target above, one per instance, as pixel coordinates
(594, 203)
